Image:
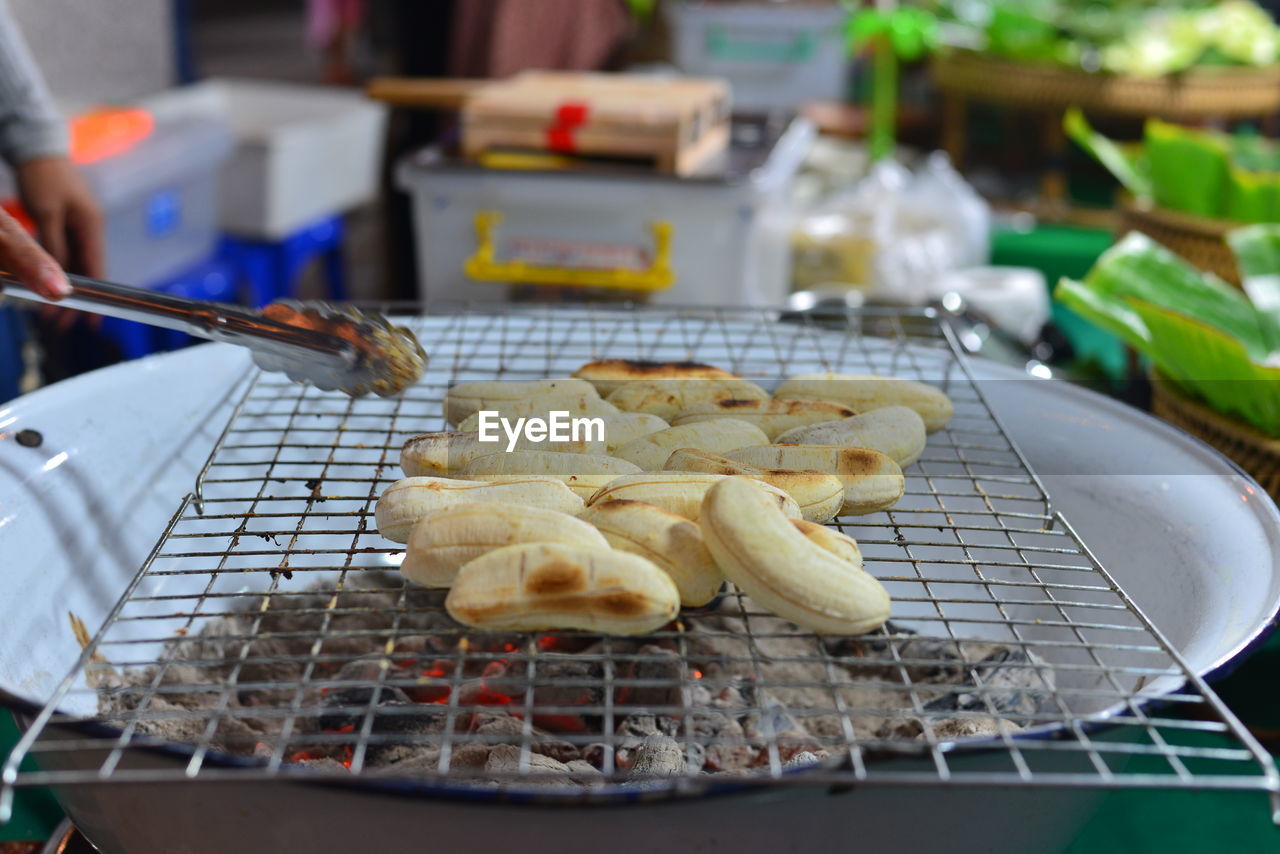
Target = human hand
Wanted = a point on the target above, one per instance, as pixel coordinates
(21, 256)
(67, 217)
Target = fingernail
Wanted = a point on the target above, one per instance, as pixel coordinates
(55, 282)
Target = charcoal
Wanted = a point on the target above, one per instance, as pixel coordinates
(504, 759)
(731, 752)
(659, 756)
(582, 770)
(802, 759)
(734, 692)
(665, 672)
(1012, 685)
(423, 761)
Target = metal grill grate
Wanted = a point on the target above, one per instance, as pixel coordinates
(974, 556)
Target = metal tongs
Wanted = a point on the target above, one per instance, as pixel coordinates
(330, 347)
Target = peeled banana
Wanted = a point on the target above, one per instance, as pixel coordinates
(679, 493)
(407, 500)
(774, 563)
(547, 462)
(864, 393)
(872, 480)
(819, 495)
(838, 543)
(539, 586)
(439, 454)
(583, 485)
(666, 398)
(619, 427)
(894, 430)
(608, 374)
(672, 542)
(445, 539)
(521, 398)
(771, 416)
(724, 434)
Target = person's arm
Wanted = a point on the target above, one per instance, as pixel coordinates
(33, 140)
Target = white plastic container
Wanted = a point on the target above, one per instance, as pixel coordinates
(160, 200)
(729, 236)
(776, 55)
(301, 152)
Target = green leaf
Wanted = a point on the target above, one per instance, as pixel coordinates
(1257, 251)
(1199, 331)
(1128, 165)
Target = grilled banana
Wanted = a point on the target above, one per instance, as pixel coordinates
(516, 399)
(666, 398)
(407, 500)
(678, 493)
(838, 543)
(439, 454)
(445, 539)
(894, 430)
(864, 393)
(819, 495)
(540, 586)
(771, 416)
(547, 462)
(672, 542)
(608, 374)
(872, 480)
(781, 569)
(724, 434)
(583, 485)
(619, 427)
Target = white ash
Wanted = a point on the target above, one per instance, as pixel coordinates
(735, 692)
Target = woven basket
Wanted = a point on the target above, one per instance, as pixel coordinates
(1253, 451)
(1200, 240)
(1216, 92)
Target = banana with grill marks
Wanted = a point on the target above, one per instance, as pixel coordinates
(583, 485)
(678, 493)
(666, 398)
(894, 430)
(619, 427)
(407, 500)
(819, 495)
(838, 543)
(771, 416)
(522, 398)
(864, 393)
(608, 374)
(547, 462)
(672, 542)
(540, 586)
(651, 452)
(439, 454)
(872, 480)
(764, 554)
(445, 539)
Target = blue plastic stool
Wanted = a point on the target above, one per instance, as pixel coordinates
(269, 270)
(212, 280)
(12, 334)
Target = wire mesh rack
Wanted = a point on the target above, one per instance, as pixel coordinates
(268, 635)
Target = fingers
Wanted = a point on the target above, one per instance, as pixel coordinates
(84, 222)
(51, 224)
(23, 257)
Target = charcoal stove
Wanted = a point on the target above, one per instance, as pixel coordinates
(988, 580)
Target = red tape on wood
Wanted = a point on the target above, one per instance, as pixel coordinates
(568, 117)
